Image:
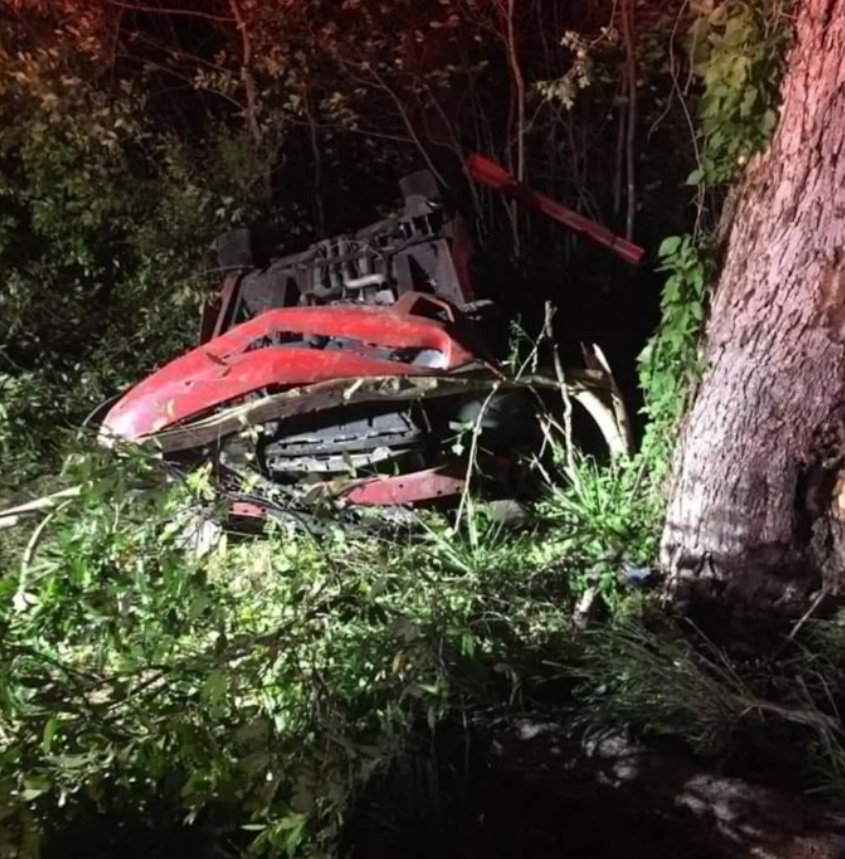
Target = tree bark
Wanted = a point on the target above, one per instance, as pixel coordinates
(756, 509)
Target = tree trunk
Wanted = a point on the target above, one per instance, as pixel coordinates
(756, 509)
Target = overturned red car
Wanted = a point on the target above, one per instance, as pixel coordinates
(356, 374)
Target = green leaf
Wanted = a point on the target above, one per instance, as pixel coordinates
(769, 121)
(215, 687)
(35, 786)
(49, 734)
(671, 291)
(669, 246)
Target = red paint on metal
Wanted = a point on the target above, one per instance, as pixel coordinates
(430, 484)
(247, 510)
(487, 172)
(426, 485)
(229, 367)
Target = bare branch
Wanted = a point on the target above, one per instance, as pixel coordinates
(143, 7)
(379, 82)
(251, 107)
(630, 142)
(519, 89)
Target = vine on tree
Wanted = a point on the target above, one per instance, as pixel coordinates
(735, 53)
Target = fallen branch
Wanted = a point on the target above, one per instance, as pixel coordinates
(325, 395)
(595, 359)
(15, 515)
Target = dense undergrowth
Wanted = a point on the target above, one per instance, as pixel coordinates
(259, 695)
(253, 689)
(269, 676)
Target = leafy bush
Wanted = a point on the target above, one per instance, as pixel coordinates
(271, 677)
(106, 224)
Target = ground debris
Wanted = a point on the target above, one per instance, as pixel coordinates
(727, 817)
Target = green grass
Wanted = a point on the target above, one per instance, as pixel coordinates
(265, 683)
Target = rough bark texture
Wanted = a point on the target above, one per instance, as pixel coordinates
(755, 506)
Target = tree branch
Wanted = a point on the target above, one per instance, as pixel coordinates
(314, 136)
(519, 89)
(630, 143)
(251, 109)
(143, 7)
(379, 82)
